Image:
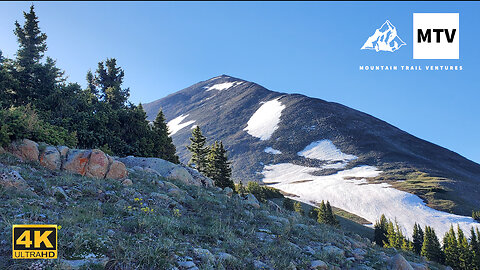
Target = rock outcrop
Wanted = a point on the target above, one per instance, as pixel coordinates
(91, 163)
(168, 170)
(95, 163)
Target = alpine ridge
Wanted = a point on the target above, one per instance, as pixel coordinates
(298, 144)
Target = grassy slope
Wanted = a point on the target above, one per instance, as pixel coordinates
(146, 226)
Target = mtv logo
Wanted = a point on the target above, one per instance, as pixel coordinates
(436, 36)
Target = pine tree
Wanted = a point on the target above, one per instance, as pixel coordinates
(199, 150)
(218, 167)
(450, 248)
(288, 204)
(164, 147)
(431, 246)
(464, 251)
(417, 238)
(36, 81)
(475, 248)
(322, 216)
(313, 213)
(331, 220)
(109, 79)
(297, 206)
(381, 227)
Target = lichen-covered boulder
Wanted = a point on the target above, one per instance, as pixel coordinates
(50, 158)
(117, 170)
(25, 149)
(180, 174)
(76, 161)
(97, 164)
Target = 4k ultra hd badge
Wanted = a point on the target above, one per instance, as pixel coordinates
(34, 241)
(436, 36)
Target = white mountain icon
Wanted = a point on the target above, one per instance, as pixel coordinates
(384, 39)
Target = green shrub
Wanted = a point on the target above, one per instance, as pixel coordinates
(288, 204)
(263, 193)
(23, 123)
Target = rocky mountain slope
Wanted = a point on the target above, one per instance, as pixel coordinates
(316, 150)
(155, 219)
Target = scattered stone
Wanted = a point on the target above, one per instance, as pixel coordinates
(50, 158)
(252, 201)
(97, 164)
(333, 250)
(359, 253)
(418, 266)
(25, 149)
(59, 193)
(13, 179)
(318, 264)
(186, 265)
(204, 255)
(309, 250)
(273, 206)
(398, 262)
(80, 264)
(225, 257)
(260, 265)
(127, 182)
(228, 191)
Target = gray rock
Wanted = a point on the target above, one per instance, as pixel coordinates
(225, 257)
(359, 253)
(181, 174)
(418, 266)
(204, 255)
(186, 265)
(59, 193)
(333, 250)
(273, 206)
(398, 262)
(260, 265)
(228, 191)
(318, 264)
(252, 201)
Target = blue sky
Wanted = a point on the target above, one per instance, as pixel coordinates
(311, 48)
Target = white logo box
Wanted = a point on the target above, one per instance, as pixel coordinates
(434, 49)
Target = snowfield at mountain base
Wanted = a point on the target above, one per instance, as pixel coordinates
(176, 124)
(349, 190)
(265, 120)
(272, 151)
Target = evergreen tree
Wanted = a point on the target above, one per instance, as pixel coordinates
(417, 238)
(475, 248)
(7, 82)
(288, 204)
(381, 227)
(199, 150)
(450, 248)
(322, 216)
(36, 81)
(163, 144)
(331, 220)
(240, 188)
(109, 79)
(297, 206)
(218, 167)
(431, 246)
(313, 213)
(464, 251)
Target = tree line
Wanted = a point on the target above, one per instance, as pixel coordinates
(457, 251)
(37, 102)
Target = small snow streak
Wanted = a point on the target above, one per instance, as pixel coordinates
(223, 86)
(176, 124)
(270, 150)
(265, 120)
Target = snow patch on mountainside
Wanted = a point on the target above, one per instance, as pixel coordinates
(325, 150)
(176, 124)
(265, 120)
(270, 150)
(355, 195)
(222, 86)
